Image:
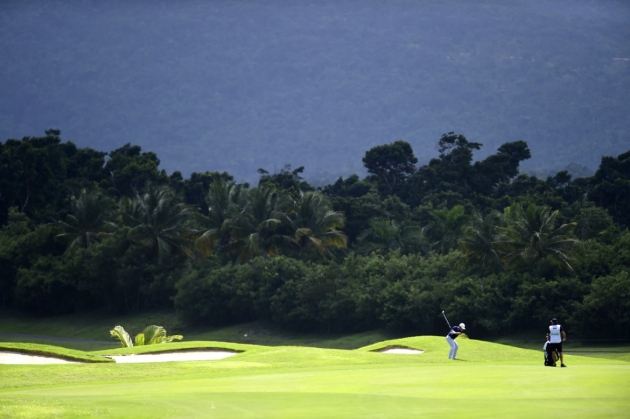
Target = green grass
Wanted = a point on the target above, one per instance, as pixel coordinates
(51, 351)
(278, 374)
(490, 380)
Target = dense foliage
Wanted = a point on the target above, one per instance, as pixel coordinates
(151, 335)
(82, 230)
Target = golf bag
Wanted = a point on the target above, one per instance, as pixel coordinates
(549, 357)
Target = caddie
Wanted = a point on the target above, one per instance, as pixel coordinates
(555, 337)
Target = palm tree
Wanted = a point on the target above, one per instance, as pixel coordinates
(89, 221)
(446, 228)
(158, 221)
(388, 235)
(255, 231)
(316, 225)
(224, 203)
(481, 240)
(531, 235)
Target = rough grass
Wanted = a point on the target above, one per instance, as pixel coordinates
(89, 326)
(96, 327)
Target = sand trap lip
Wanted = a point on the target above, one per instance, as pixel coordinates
(173, 357)
(400, 351)
(19, 358)
(26, 359)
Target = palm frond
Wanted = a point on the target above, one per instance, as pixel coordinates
(123, 337)
(140, 339)
(154, 334)
(531, 235)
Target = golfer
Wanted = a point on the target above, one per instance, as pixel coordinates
(450, 338)
(555, 336)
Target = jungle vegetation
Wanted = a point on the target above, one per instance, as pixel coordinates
(82, 229)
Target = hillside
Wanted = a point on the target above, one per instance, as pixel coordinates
(238, 85)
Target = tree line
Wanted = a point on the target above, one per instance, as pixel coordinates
(83, 230)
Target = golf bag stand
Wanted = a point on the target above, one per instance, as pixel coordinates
(549, 362)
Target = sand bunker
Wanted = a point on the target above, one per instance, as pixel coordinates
(173, 356)
(403, 351)
(17, 358)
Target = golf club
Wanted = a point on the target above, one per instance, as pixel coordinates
(449, 325)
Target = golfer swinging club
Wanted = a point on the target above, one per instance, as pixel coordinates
(452, 335)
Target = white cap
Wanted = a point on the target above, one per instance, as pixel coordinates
(462, 326)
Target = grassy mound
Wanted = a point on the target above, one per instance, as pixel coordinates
(52, 351)
(177, 347)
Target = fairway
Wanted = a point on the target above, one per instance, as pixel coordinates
(490, 380)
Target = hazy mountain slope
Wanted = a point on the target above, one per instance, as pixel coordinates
(237, 85)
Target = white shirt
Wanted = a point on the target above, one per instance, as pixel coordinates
(554, 334)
